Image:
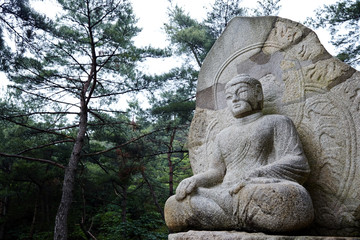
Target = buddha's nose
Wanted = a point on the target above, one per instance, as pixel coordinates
(235, 98)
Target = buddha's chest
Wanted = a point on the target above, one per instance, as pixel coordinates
(246, 142)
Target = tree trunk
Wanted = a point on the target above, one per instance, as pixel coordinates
(61, 230)
(152, 191)
(33, 222)
(124, 203)
(170, 163)
(3, 211)
(3, 207)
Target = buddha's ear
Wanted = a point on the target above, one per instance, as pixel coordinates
(259, 96)
(259, 93)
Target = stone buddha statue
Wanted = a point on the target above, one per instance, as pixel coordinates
(255, 176)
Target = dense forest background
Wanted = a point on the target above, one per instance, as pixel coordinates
(73, 164)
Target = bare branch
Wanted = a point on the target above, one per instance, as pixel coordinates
(96, 115)
(63, 128)
(36, 113)
(105, 15)
(32, 159)
(46, 98)
(124, 144)
(166, 152)
(106, 110)
(45, 145)
(35, 128)
(72, 57)
(120, 93)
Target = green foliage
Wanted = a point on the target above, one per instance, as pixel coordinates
(21, 22)
(183, 109)
(220, 15)
(188, 35)
(342, 19)
(86, 54)
(193, 38)
(131, 160)
(267, 8)
(147, 227)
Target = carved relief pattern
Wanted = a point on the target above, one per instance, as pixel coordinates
(320, 69)
(196, 141)
(352, 91)
(294, 89)
(331, 129)
(205, 126)
(325, 72)
(309, 48)
(331, 146)
(326, 111)
(284, 34)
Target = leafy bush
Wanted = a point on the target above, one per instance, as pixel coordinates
(149, 226)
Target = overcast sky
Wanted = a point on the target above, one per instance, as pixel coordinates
(152, 14)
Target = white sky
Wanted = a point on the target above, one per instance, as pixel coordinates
(152, 15)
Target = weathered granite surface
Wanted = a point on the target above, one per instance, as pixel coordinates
(233, 235)
(255, 172)
(302, 81)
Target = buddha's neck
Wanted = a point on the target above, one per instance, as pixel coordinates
(250, 118)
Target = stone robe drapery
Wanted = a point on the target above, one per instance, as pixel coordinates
(264, 154)
(262, 146)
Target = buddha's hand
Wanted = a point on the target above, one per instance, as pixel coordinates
(185, 187)
(247, 181)
(234, 190)
(244, 181)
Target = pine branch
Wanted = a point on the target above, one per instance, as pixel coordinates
(39, 113)
(45, 145)
(44, 97)
(32, 159)
(123, 144)
(35, 128)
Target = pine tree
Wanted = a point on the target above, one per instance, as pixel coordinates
(77, 67)
(267, 8)
(342, 19)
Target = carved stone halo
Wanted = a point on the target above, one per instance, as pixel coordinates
(267, 68)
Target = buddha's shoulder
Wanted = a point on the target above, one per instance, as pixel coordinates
(275, 119)
(265, 121)
(227, 130)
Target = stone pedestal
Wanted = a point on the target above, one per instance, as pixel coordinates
(233, 235)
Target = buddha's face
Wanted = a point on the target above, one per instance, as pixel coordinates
(242, 99)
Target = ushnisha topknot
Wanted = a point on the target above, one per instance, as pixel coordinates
(242, 78)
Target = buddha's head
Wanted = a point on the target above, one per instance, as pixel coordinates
(244, 95)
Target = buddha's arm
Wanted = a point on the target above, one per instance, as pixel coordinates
(212, 176)
(290, 163)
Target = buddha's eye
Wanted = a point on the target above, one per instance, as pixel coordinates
(242, 92)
